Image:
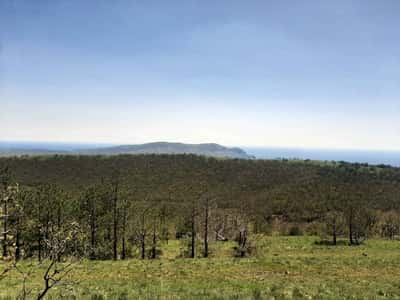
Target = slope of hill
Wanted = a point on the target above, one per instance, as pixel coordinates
(296, 189)
(210, 149)
(214, 150)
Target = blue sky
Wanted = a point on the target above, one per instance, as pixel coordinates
(316, 74)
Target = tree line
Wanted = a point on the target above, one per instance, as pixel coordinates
(127, 206)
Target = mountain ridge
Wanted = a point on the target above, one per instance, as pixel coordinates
(204, 149)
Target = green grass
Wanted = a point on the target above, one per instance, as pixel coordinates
(282, 268)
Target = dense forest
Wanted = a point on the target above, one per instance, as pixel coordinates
(125, 206)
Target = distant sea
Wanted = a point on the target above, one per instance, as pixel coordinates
(373, 157)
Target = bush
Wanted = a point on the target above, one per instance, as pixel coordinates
(256, 294)
(149, 253)
(295, 231)
(241, 252)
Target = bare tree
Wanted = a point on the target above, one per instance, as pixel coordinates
(154, 237)
(115, 187)
(190, 215)
(390, 227)
(39, 224)
(332, 220)
(220, 226)
(18, 219)
(6, 270)
(241, 223)
(5, 199)
(26, 274)
(206, 223)
(193, 215)
(143, 230)
(56, 271)
(208, 205)
(45, 194)
(125, 211)
(242, 241)
(12, 212)
(92, 207)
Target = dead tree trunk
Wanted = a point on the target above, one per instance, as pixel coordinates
(143, 245)
(59, 220)
(143, 234)
(334, 232)
(123, 250)
(93, 232)
(154, 244)
(193, 234)
(115, 221)
(17, 239)
(39, 227)
(47, 228)
(242, 242)
(39, 241)
(206, 219)
(5, 223)
(5, 181)
(351, 216)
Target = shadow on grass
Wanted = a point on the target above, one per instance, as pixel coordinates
(330, 243)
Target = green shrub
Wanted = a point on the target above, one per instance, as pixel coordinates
(97, 297)
(295, 231)
(256, 294)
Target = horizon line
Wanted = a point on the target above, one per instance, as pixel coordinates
(88, 143)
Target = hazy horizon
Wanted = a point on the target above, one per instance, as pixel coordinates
(259, 73)
(105, 144)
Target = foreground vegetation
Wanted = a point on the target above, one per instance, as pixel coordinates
(184, 226)
(281, 268)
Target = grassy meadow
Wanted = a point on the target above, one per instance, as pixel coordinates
(280, 268)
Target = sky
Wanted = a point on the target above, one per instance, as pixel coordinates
(312, 74)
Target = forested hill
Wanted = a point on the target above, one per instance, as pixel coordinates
(295, 190)
(210, 149)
